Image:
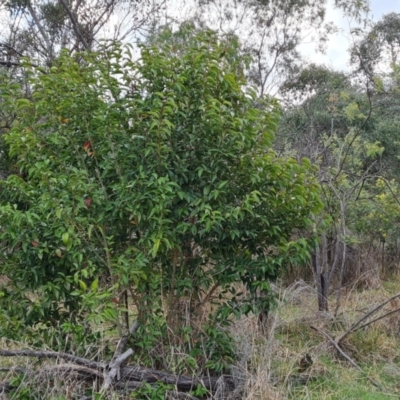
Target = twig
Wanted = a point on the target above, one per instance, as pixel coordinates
(366, 316)
(377, 319)
(179, 396)
(68, 368)
(18, 64)
(13, 369)
(52, 354)
(207, 296)
(351, 361)
(41, 28)
(11, 49)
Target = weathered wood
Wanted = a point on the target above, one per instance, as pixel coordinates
(124, 340)
(357, 325)
(114, 368)
(119, 358)
(131, 376)
(182, 382)
(53, 354)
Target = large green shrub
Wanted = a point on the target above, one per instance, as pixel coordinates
(149, 185)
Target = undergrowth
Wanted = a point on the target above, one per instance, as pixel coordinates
(284, 357)
(288, 359)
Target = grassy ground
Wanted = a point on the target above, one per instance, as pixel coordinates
(288, 356)
(274, 359)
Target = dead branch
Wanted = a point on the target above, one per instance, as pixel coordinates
(347, 357)
(131, 377)
(119, 358)
(75, 25)
(42, 30)
(124, 340)
(179, 396)
(82, 371)
(115, 373)
(12, 369)
(377, 319)
(11, 49)
(53, 354)
(10, 64)
(114, 368)
(355, 326)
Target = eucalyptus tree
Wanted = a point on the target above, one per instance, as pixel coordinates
(40, 29)
(271, 32)
(330, 121)
(375, 58)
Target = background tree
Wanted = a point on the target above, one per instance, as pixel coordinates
(329, 121)
(270, 32)
(41, 29)
(348, 126)
(375, 59)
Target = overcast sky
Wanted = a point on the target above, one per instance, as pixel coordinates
(337, 55)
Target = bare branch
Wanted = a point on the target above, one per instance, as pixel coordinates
(114, 368)
(75, 24)
(356, 325)
(52, 354)
(347, 357)
(41, 28)
(15, 64)
(377, 319)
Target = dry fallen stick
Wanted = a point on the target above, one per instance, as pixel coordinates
(114, 368)
(128, 377)
(50, 371)
(52, 354)
(132, 376)
(351, 361)
(13, 369)
(356, 326)
(119, 358)
(179, 396)
(84, 372)
(377, 319)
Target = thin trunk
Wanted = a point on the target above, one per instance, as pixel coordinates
(41, 29)
(320, 281)
(75, 25)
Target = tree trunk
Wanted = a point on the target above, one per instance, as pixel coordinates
(320, 281)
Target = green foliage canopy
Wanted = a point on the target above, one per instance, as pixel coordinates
(154, 178)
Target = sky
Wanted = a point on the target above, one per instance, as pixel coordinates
(337, 55)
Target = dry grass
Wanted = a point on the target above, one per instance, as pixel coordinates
(271, 357)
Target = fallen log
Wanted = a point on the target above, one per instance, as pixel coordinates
(114, 375)
(130, 375)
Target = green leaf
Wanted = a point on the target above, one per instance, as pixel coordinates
(23, 103)
(65, 238)
(156, 246)
(95, 285)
